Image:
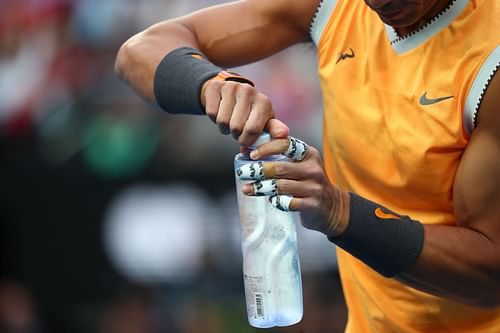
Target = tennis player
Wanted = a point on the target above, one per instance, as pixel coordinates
(409, 184)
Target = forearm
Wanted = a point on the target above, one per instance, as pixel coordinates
(232, 34)
(139, 57)
(457, 263)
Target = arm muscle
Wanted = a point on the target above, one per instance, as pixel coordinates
(463, 262)
(231, 34)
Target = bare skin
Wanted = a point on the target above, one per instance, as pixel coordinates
(245, 23)
(407, 15)
(459, 262)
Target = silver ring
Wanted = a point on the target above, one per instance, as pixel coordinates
(297, 149)
(265, 187)
(281, 202)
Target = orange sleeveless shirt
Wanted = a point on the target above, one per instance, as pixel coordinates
(398, 113)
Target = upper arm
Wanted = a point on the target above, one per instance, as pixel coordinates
(231, 34)
(241, 32)
(477, 183)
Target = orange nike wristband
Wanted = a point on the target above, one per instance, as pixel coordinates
(232, 76)
(179, 78)
(386, 241)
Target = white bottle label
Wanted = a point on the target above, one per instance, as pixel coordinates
(255, 291)
(259, 305)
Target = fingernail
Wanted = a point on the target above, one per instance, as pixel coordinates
(247, 189)
(254, 154)
(224, 130)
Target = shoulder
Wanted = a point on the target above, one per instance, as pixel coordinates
(488, 113)
(484, 92)
(298, 13)
(330, 13)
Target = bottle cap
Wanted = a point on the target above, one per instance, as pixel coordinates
(263, 138)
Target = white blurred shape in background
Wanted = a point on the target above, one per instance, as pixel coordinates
(165, 234)
(155, 234)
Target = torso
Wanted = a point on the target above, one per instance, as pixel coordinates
(397, 119)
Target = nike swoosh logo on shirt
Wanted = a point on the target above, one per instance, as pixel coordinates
(429, 101)
(385, 216)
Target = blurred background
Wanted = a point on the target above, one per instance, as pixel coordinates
(118, 217)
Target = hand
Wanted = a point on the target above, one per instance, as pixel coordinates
(322, 206)
(240, 110)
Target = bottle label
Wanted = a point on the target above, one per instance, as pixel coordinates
(254, 286)
(259, 305)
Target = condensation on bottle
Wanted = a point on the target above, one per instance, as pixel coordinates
(271, 268)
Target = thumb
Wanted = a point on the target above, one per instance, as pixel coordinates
(277, 129)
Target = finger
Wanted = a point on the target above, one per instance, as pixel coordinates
(256, 171)
(282, 202)
(297, 149)
(288, 203)
(251, 171)
(260, 113)
(281, 170)
(291, 147)
(273, 147)
(260, 188)
(274, 186)
(212, 99)
(241, 110)
(226, 107)
(277, 129)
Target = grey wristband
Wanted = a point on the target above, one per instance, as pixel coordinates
(387, 242)
(179, 78)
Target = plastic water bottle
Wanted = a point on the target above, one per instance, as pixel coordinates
(271, 268)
